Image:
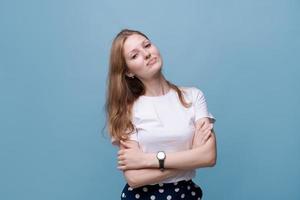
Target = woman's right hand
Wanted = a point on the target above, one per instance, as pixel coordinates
(130, 156)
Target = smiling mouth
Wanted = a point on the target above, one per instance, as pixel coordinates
(152, 61)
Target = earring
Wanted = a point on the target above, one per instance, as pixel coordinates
(132, 77)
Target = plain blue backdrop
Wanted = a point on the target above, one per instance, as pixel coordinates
(244, 56)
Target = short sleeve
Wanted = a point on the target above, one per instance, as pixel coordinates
(132, 136)
(200, 106)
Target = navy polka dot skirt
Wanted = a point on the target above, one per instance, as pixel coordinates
(169, 191)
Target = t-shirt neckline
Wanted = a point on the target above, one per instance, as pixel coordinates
(157, 97)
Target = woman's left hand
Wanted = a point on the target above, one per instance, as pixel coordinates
(203, 131)
(130, 156)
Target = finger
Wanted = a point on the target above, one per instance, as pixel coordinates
(121, 157)
(206, 136)
(121, 162)
(127, 144)
(201, 132)
(120, 152)
(207, 129)
(122, 146)
(199, 125)
(124, 143)
(133, 146)
(122, 168)
(199, 136)
(204, 127)
(208, 126)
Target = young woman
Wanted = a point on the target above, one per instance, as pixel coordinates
(164, 131)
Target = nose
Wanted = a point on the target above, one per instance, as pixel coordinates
(147, 54)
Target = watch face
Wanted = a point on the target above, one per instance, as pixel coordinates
(161, 155)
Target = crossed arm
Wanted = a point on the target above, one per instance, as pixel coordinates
(141, 168)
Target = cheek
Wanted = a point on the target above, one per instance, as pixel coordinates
(155, 51)
(135, 65)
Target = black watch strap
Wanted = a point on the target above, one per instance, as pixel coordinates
(162, 164)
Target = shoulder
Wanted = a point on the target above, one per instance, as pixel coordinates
(192, 91)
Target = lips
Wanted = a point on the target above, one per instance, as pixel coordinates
(152, 61)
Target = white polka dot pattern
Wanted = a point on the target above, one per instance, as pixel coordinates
(167, 191)
(161, 190)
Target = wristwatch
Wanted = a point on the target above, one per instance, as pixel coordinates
(161, 156)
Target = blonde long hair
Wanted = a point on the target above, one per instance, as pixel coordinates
(122, 91)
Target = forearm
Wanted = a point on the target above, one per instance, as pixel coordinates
(141, 177)
(202, 156)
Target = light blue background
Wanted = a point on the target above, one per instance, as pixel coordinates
(244, 56)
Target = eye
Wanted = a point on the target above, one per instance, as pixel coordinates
(134, 56)
(148, 45)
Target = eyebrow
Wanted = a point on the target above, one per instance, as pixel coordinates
(146, 40)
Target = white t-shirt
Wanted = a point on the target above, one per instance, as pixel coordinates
(163, 124)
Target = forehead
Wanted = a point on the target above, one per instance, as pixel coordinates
(132, 42)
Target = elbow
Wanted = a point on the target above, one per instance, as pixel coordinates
(131, 179)
(212, 161)
(132, 184)
(208, 160)
(212, 153)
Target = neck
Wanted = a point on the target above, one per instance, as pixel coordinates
(156, 86)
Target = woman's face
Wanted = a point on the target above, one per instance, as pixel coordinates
(142, 57)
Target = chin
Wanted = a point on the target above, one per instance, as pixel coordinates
(157, 66)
